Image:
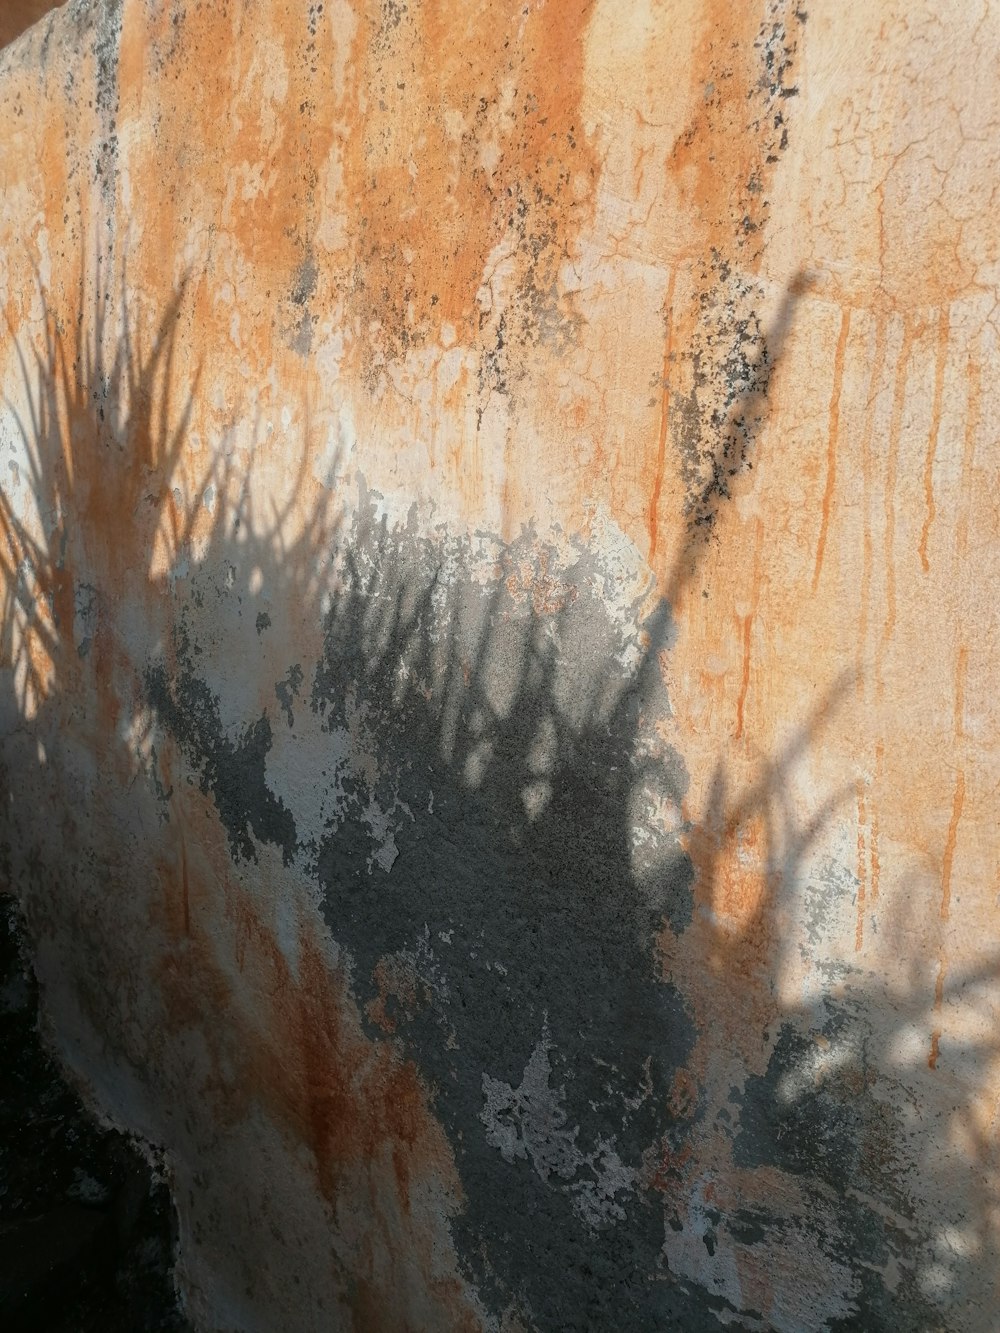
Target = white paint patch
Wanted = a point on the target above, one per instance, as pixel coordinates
(529, 1123)
(330, 466)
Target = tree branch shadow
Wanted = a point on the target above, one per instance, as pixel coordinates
(480, 761)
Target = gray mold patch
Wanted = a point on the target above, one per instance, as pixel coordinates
(287, 690)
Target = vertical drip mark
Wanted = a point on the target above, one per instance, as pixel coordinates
(961, 666)
(859, 931)
(878, 365)
(745, 679)
(876, 866)
(661, 447)
(892, 465)
(949, 849)
(935, 1050)
(831, 447)
(939, 365)
(968, 455)
(962, 529)
(748, 620)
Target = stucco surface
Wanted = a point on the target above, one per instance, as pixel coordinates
(499, 550)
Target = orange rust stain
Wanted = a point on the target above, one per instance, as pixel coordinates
(293, 1044)
(935, 1051)
(673, 1167)
(972, 417)
(878, 365)
(744, 678)
(833, 430)
(958, 803)
(961, 668)
(874, 830)
(747, 626)
(910, 331)
(719, 152)
(470, 133)
(661, 443)
(935, 430)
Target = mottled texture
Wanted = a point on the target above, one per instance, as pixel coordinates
(499, 748)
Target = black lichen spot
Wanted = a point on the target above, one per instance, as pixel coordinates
(715, 424)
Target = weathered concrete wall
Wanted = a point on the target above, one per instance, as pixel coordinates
(500, 540)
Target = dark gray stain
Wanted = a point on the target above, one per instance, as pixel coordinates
(304, 284)
(106, 39)
(508, 943)
(301, 319)
(232, 770)
(525, 933)
(286, 690)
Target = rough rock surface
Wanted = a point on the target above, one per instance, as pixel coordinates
(499, 747)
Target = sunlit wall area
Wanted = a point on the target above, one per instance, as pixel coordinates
(498, 531)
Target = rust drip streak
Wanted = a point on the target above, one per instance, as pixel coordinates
(891, 468)
(961, 667)
(935, 1051)
(972, 414)
(831, 448)
(745, 678)
(873, 839)
(939, 366)
(932, 1059)
(661, 448)
(878, 365)
(949, 848)
(747, 625)
(859, 930)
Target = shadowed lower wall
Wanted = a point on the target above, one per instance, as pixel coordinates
(498, 745)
